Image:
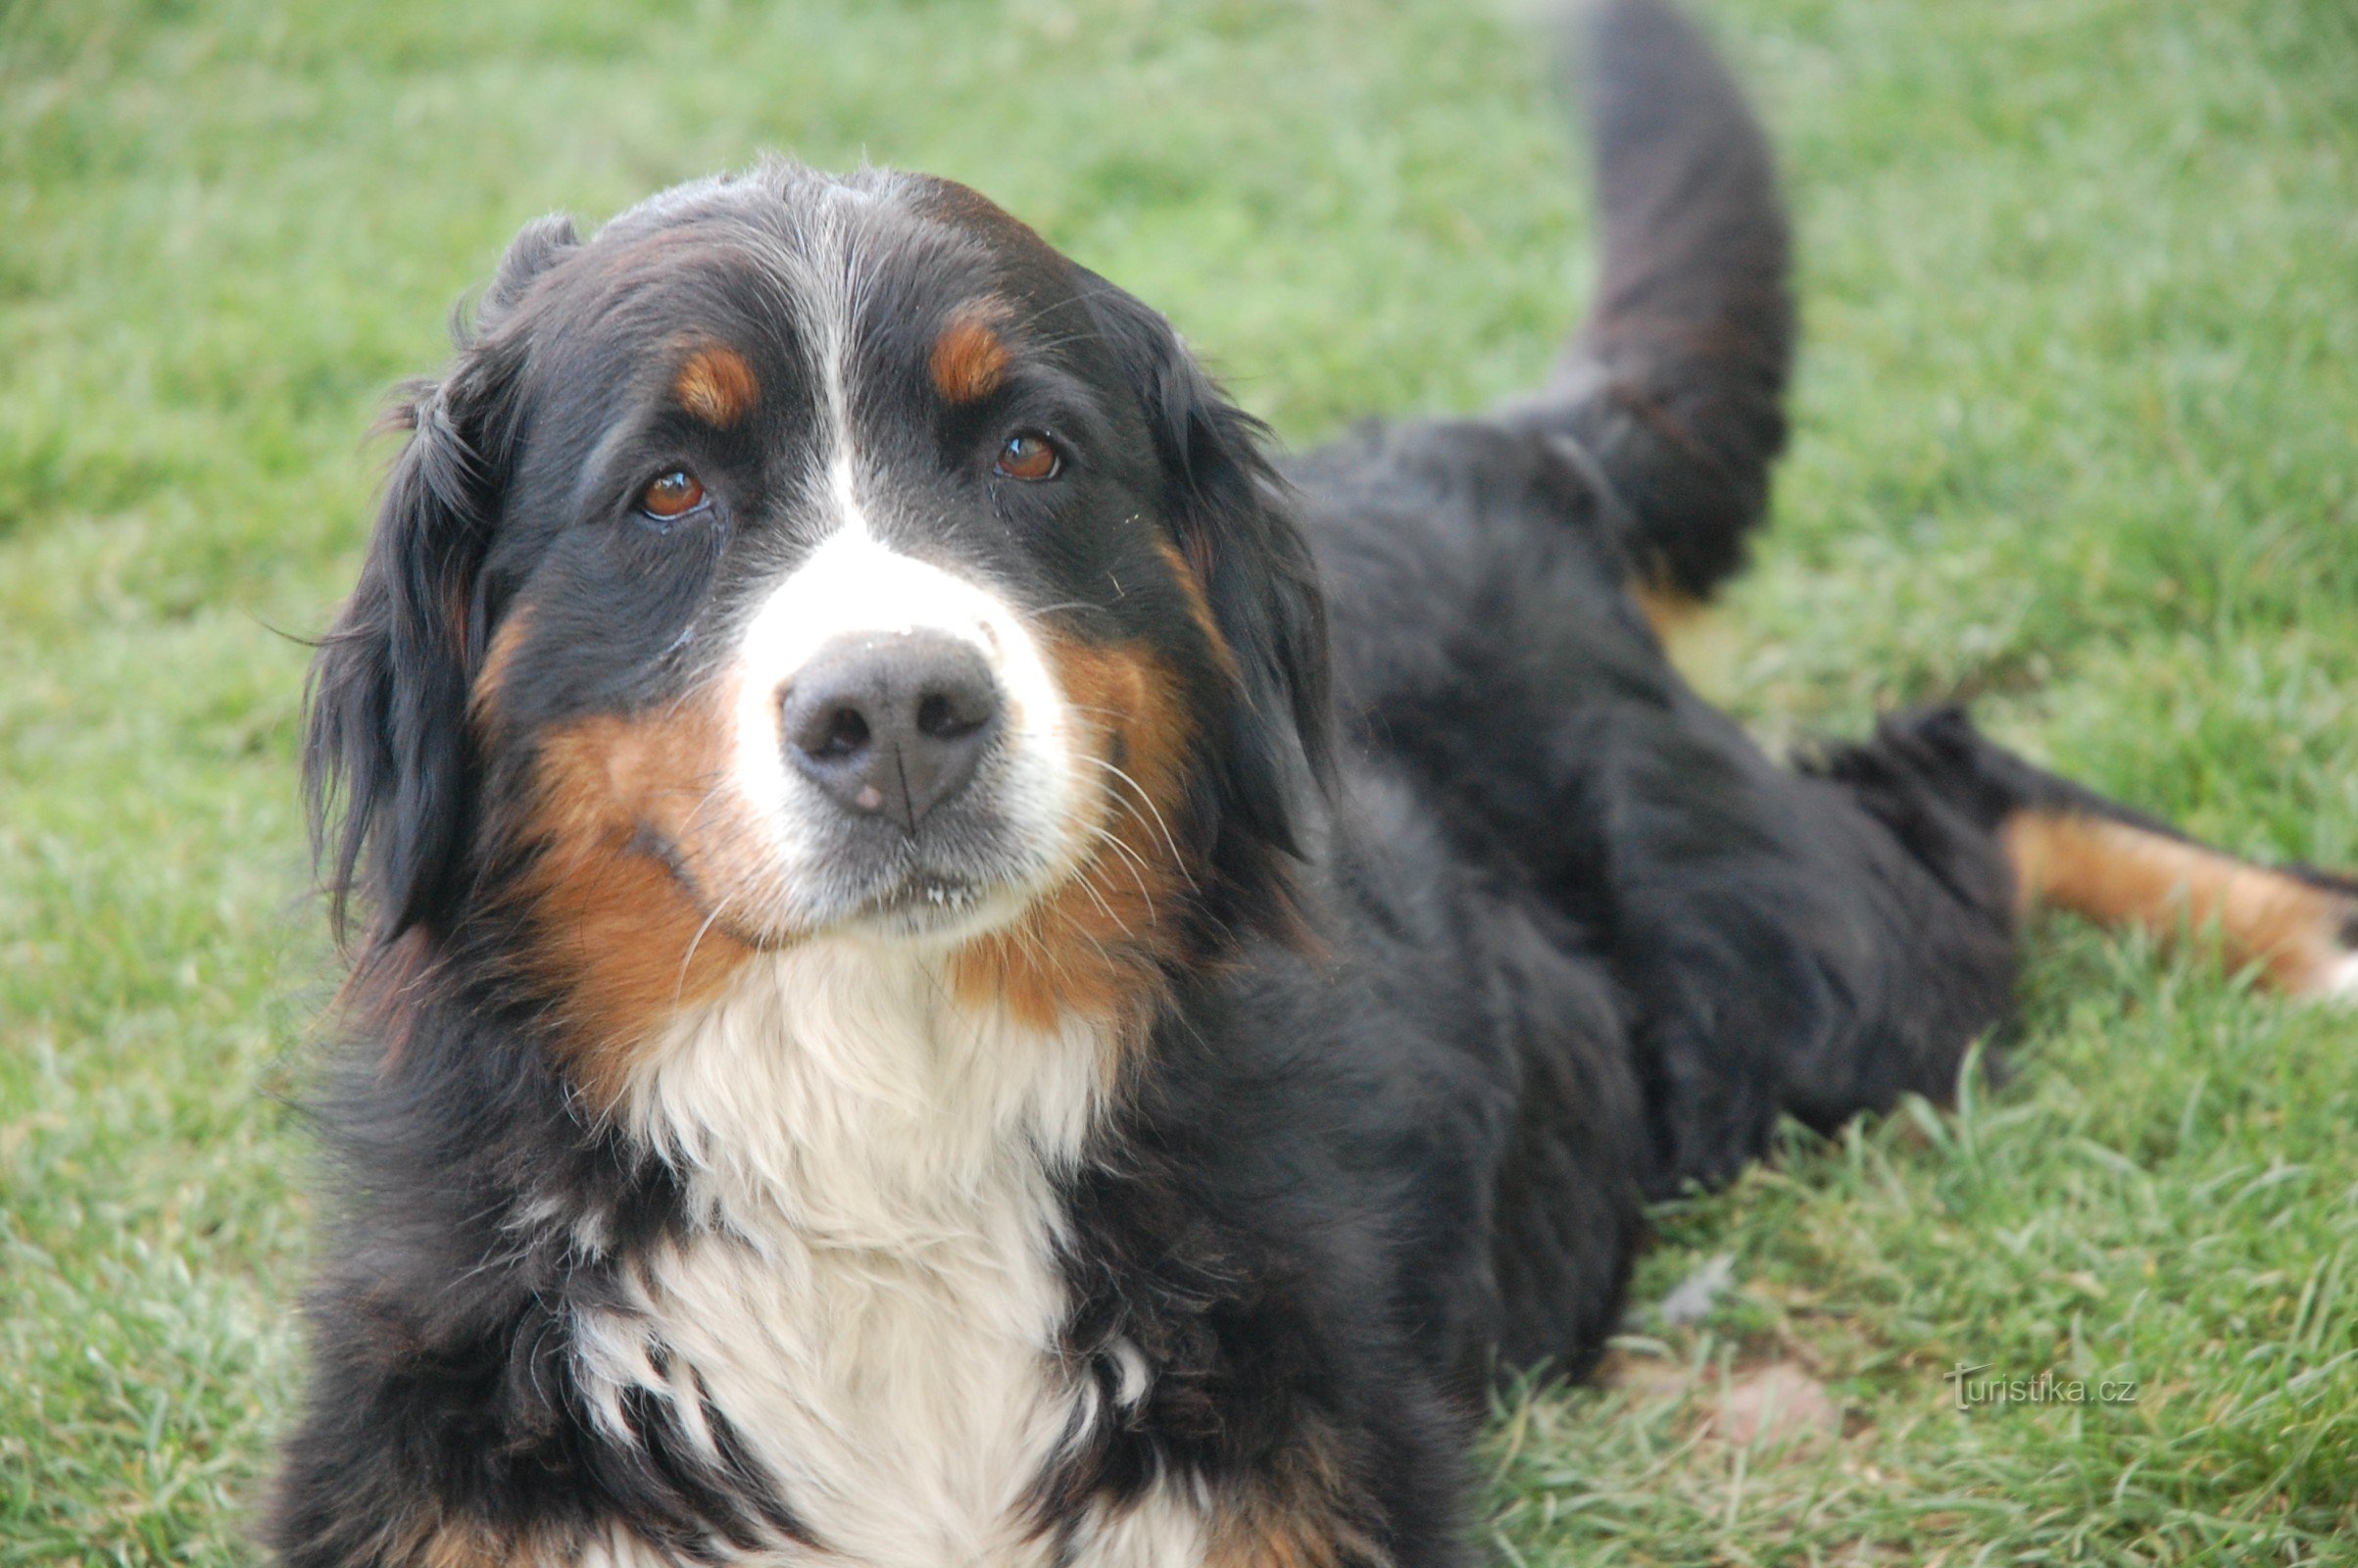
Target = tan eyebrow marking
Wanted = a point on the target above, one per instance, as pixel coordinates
(716, 385)
(969, 359)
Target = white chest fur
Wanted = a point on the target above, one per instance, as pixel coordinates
(869, 1294)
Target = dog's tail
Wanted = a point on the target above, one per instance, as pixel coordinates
(1674, 387)
(2068, 848)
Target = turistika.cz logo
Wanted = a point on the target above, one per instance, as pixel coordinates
(1972, 1390)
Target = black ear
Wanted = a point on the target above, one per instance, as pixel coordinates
(385, 748)
(1232, 517)
(538, 246)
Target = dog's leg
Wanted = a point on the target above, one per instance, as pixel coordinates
(2301, 930)
(1789, 944)
(2069, 848)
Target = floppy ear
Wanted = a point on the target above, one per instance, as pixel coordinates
(385, 750)
(1229, 509)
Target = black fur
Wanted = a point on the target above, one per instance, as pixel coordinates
(1220, 492)
(1676, 384)
(1493, 928)
(387, 753)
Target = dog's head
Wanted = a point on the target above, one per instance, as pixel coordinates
(805, 556)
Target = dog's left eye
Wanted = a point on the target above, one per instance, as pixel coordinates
(1029, 455)
(672, 495)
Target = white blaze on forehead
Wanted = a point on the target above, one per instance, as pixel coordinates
(854, 585)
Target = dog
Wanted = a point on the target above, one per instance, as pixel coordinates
(953, 964)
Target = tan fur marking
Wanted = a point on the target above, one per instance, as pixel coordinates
(1094, 945)
(623, 802)
(2117, 874)
(457, 1547)
(439, 1542)
(969, 361)
(375, 993)
(1702, 647)
(457, 609)
(1671, 614)
(1199, 607)
(716, 385)
(1294, 1514)
(483, 699)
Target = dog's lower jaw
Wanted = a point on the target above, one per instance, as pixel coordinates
(867, 1292)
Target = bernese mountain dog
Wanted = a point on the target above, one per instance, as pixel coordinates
(956, 964)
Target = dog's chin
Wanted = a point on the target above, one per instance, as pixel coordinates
(933, 909)
(911, 899)
(919, 902)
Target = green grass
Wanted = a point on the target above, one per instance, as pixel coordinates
(2076, 431)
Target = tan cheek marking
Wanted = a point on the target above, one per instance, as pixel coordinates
(2117, 874)
(483, 699)
(1096, 944)
(970, 362)
(456, 610)
(620, 937)
(1199, 607)
(716, 385)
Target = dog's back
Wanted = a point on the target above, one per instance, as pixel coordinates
(1809, 942)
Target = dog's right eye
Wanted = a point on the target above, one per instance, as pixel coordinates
(672, 496)
(1029, 456)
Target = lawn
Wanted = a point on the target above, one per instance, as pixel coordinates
(2075, 428)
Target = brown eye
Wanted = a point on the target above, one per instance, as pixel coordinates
(1028, 456)
(674, 495)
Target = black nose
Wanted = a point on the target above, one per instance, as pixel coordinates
(891, 725)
